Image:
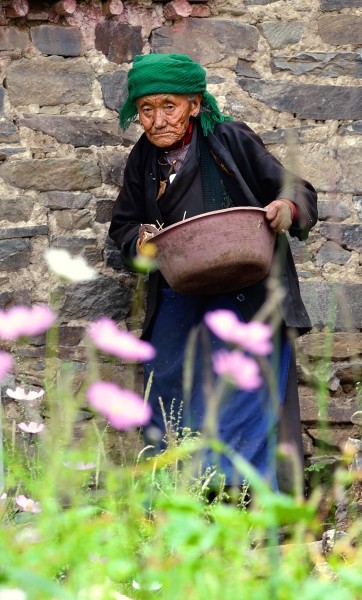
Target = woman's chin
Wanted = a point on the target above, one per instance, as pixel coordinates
(163, 140)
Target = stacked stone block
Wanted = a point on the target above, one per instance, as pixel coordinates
(291, 70)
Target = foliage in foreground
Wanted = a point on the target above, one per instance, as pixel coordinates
(77, 526)
(150, 530)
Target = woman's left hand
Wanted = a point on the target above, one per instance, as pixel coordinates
(279, 215)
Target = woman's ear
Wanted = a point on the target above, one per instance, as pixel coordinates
(195, 105)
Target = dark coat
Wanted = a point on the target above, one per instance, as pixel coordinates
(252, 176)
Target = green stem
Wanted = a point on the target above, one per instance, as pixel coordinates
(2, 475)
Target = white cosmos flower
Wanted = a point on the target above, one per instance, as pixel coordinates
(80, 466)
(7, 593)
(151, 587)
(68, 267)
(20, 394)
(98, 592)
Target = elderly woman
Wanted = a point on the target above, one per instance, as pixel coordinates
(192, 159)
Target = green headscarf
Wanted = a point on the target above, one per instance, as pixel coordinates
(169, 74)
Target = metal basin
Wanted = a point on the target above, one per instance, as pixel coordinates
(214, 252)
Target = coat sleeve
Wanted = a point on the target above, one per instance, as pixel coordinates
(129, 209)
(267, 178)
(289, 186)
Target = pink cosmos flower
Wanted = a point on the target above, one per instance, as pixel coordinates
(24, 321)
(242, 371)
(286, 450)
(32, 427)
(6, 364)
(123, 408)
(109, 338)
(254, 337)
(20, 394)
(223, 323)
(27, 504)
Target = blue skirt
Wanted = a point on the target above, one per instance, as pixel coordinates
(247, 421)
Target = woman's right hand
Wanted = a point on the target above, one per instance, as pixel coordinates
(279, 215)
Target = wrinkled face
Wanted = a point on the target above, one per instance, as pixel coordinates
(165, 117)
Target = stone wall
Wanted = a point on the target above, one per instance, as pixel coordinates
(281, 65)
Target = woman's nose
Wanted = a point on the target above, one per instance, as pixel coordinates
(159, 118)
